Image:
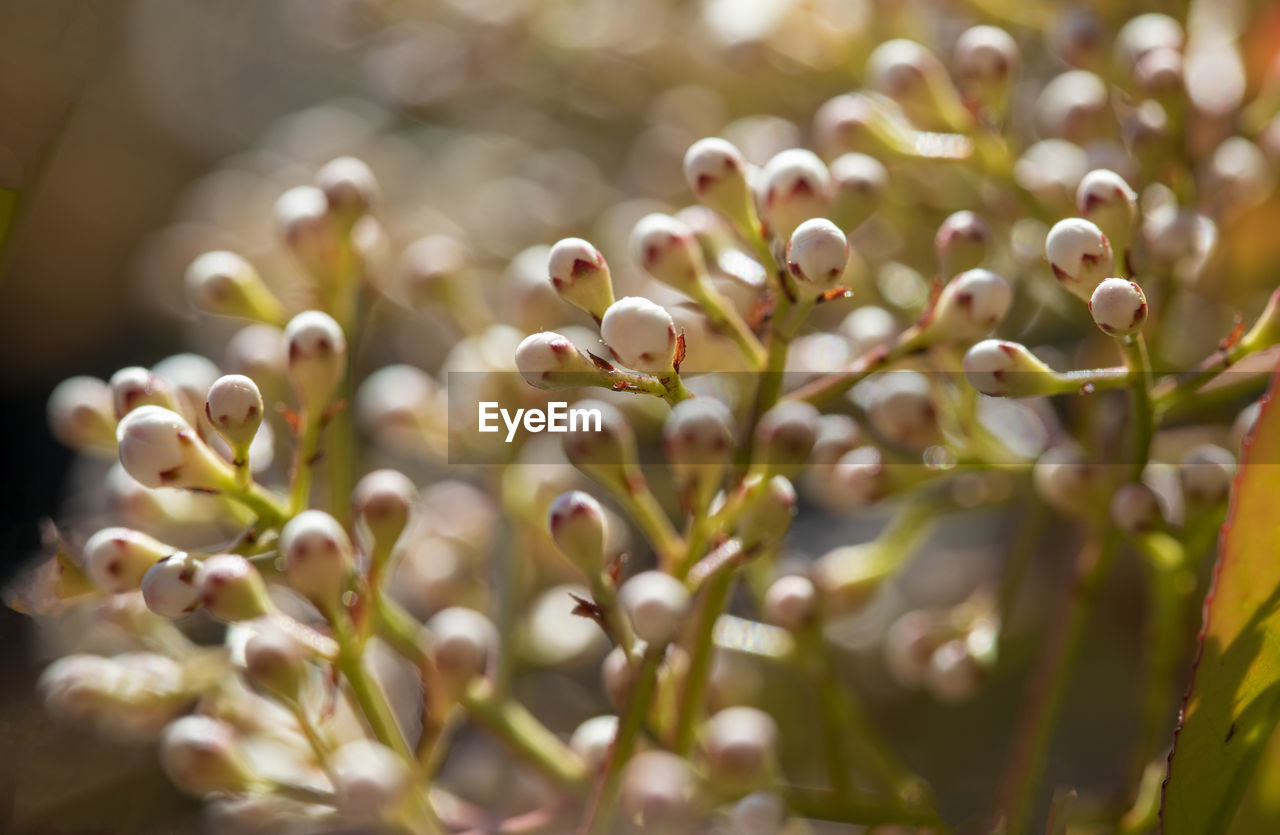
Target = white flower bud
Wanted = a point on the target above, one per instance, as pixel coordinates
(82, 415)
(794, 187)
(962, 242)
(698, 437)
(1064, 480)
(986, 60)
(969, 307)
(817, 255)
(1159, 72)
(225, 284)
(791, 602)
(608, 455)
(858, 186)
(858, 478)
(275, 663)
(81, 687)
(739, 743)
(202, 755)
(902, 411)
(656, 604)
(716, 172)
(316, 357)
(786, 433)
(581, 276)
(383, 502)
(1239, 174)
(1135, 508)
(1051, 169)
(117, 558)
(234, 408)
(231, 588)
(160, 449)
(549, 360)
(909, 642)
(592, 740)
(257, 351)
(1145, 33)
(1118, 307)
(577, 524)
(658, 792)
(394, 403)
(1206, 473)
(1079, 254)
(370, 779)
(759, 813)
(1104, 198)
(134, 387)
(1072, 106)
(429, 270)
(1007, 369)
(766, 516)
(189, 377)
(954, 675)
(464, 640)
(641, 334)
(169, 586)
(318, 560)
(618, 677)
(867, 328)
(911, 75)
(349, 187)
(669, 251)
(307, 227)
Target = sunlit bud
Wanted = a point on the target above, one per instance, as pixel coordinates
(317, 555)
(548, 360)
(698, 437)
(1007, 369)
(234, 407)
(275, 663)
(1079, 254)
(116, 558)
(609, 454)
(317, 357)
(953, 675)
(986, 60)
(231, 588)
(307, 227)
(791, 602)
(430, 268)
(82, 415)
(817, 255)
(641, 334)
(903, 412)
(580, 275)
(349, 188)
(1105, 199)
(858, 186)
(911, 75)
(1145, 33)
(786, 433)
(370, 779)
(201, 755)
(1064, 480)
(767, 513)
(169, 586)
(1207, 473)
(226, 284)
(383, 502)
(658, 792)
(656, 603)
(160, 449)
(962, 242)
(1072, 106)
(133, 387)
(794, 186)
(909, 642)
(592, 740)
(577, 524)
(848, 123)
(739, 744)
(969, 307)
(1135, 508)
(1118, 307)
(716, 172)
(669, 251)
(463, 641)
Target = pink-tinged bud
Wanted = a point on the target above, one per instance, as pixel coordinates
(1072, 106)
(791, 602)
(160, 449)
(786, 433)
(669, 251)
(430, 269)
(202, 756)
(1079, 254)
(1145, 33)
(1007, 369)
(383, 502)
(656, 604)
(641, 334)
(371, 781)
(275, 663)
(969, 307)
(133, 387)
(740, 745)
(794, 187)
(858, 186)
(551, 361)
(1064, 479)
(82, 415)
(953, 675)
(1206, 473)
(169, 586)
(577, 524)
(318, 558)
(986, 61)
(1135, 508)
(902, 411)
(698, 437)
(658, 790)
(817, 255)
(716, 172)
(225, 284)
(231, 588)
(463, 642)
(308, 229)
(962, 242)
(1118, 307)
(349, 188)
(117, 558)
(581, 276)
(592, 740)
(234, 408)
(909, 643)
(1104, 198)
(316, 358)
(912, 76)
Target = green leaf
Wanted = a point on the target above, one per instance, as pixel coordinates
(1233, 703)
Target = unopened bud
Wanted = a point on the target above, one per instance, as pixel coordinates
(911, 75)
(909, 642)
(169, 586)
(698, 437)
(962, 242)
(669, 251)
(160, 449)
(370, 779)
(817, 255)
(550, 361)
(1007, 369)
(759, 813)
(656, 603)
(858, 185)
(641, 334)
(1079, 254)
(1145, 33)
(767, 512)
(1206, 473)
(225, 284)
(969, 307)
(275, 663)
(117, 558)
(349, 187)
(394, 403)
(791, 602)
(1104, 198)
(82, 415)
(986, 60)
(786, 433)
(867, 328)
(716, 172)
(592, 740)
(577, 524)
(1064, 479)
(658, 792)
(1135, 508)
(134, 387)
(581, 276)
(308, 228)
(430, 268)
(383, 502)
(464, 640)
(318, 560)
(739, 743)
(1159, 73)
(954, 675)
(1072, 106)
(859, 478)
(231, 588)
(316, 356)
(607, 453)
(903, 412)
(202, 756)
(1118, 307)
(794, 187)
(234, 407)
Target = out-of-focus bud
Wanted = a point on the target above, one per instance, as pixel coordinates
(1135, 508)
(160, 449)
(1064, 479)
(202, 756)
(902, 411)
(759, 813)
(817, 255)
(909, 642)
(794, 187)
(785, 435)
(394, 404)
(969, 307)
(1118, 307)
(275, 663)
(848, 576)
(1078, 37)
(1051, 169)
(791, 602)
(668, 250)
(189, 377)
(962, 242)
(169, 586)
(231, 588)
(1206, 473)
(1239, 175)
(1159, 73)
(257, 351)
(911, 75)
(463, 641)
(430, 270)
(577, 524)
(658, 793)
(1007, 369)
(858, 185)
(318, 560)
(308, 228)
(618, 677)
(867, 328)
(370, 779)
(739, 744)
(134, 387)
(858, 123)
(225, 284)
(551, 361)
(1145, 33)
(656, 603)
(581, 276)
(383, 503)
(641, 334)
(117, 558)
(767, 511)
(82, 415)
(349, 188)
(1104, 198)
(1072, 106)
(698, 437)
(986, 61)
(316, 357)
(858, 478)
(1079, 254)
(607, 454)
(953, 675)
(234, 407)
(80, 687)
(592, 740)
(716, 172)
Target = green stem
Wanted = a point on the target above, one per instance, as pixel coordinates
(271, 512)
(714, 600)
(526, 736)
(653, 521)
(304, 460)
(370, 698)
(837, 383)
(1143, 415)
(725, 316)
